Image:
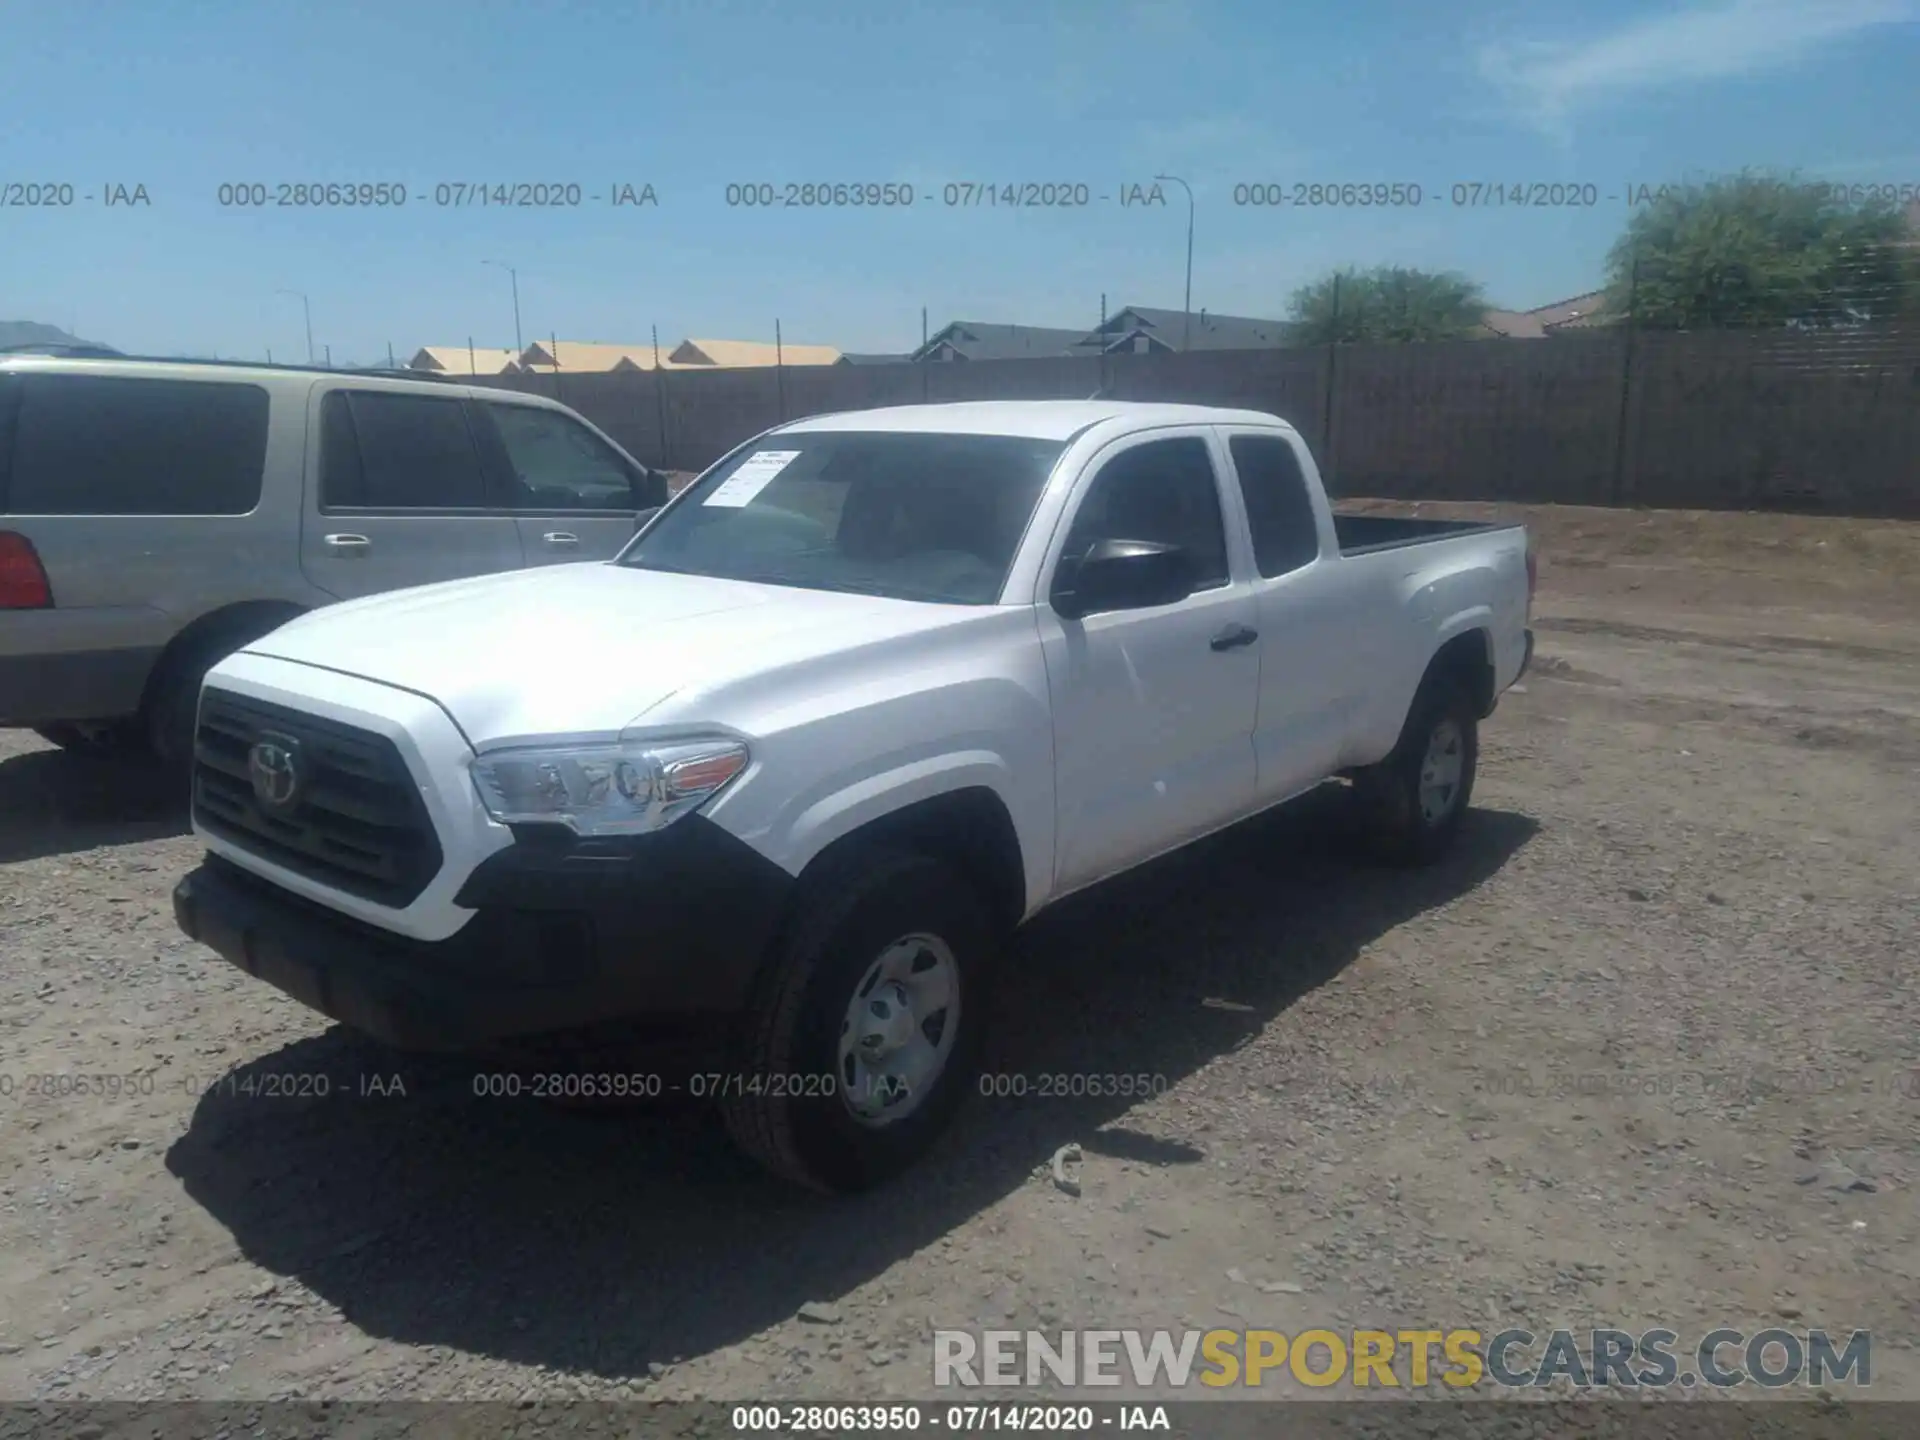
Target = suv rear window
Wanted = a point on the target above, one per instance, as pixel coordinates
(114, 445)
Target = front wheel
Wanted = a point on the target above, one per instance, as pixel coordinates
(1413, 801)
(867, 1029)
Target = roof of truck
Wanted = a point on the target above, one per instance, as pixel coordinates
(1034, 419)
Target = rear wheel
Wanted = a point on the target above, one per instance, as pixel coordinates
(866, 1033)
(1412, 802)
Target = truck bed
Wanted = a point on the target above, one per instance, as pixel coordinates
(1364, 534)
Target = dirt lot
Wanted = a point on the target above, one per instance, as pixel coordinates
(1643, 1051)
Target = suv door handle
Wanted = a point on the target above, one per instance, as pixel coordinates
(1233, 637)
(353, 547)
(560, 539)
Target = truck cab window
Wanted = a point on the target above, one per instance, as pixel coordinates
(1280, 516)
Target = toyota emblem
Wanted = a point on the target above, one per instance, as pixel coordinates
(273, 766)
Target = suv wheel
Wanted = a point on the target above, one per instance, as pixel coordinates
(1413, 801)
(173, 707)
(866, 1033)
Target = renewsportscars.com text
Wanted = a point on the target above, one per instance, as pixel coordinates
(1459, 1358)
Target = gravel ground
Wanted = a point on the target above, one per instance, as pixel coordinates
(1642, 1051)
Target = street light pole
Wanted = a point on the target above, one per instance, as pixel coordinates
(307, 310)
(514, 276)
(1187, 326)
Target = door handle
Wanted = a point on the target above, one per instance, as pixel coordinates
(1234, 636)
(352, 547)
(560, 539)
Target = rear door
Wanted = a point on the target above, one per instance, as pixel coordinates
(570, 491)
(398, 495)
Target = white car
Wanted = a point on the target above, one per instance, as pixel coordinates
(870, 693)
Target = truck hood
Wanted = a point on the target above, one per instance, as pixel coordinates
(579, 650)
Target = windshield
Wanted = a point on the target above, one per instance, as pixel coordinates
(910, 515)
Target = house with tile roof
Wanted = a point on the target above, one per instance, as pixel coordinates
(1145, 330)
(465, 360)
(979, 340)
(589, 356)
(1580, 312)
(746, 355)
(1137, 329)
(594, 356)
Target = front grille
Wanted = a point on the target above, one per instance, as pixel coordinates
(356, 821)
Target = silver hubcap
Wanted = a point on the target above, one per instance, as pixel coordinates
(899, 1029)
(1440, 772)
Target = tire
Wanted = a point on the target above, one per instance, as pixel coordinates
(898, 912)
(1403, 821)
(103, 742)
(173, 708)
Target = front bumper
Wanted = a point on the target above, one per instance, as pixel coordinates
(566, 934)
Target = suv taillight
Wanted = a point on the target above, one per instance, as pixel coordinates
(23, 579)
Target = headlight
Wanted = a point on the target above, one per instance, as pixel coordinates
(622, 789)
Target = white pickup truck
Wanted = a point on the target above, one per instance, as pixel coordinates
(867, 695)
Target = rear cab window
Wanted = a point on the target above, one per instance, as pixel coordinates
(117, 445)
(1280, 514)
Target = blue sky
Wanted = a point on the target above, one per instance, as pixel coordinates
(181, 97)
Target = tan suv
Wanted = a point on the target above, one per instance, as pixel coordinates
(155, 515)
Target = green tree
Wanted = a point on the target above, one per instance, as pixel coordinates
(1386, 303)
(1753, 251)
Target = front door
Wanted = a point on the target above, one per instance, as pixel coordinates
(1153, 708)
(570, 491)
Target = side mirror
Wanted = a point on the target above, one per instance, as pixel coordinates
(648, 488)
(641, 518)
(1124, 575)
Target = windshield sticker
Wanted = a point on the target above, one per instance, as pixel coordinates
(753, 476)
